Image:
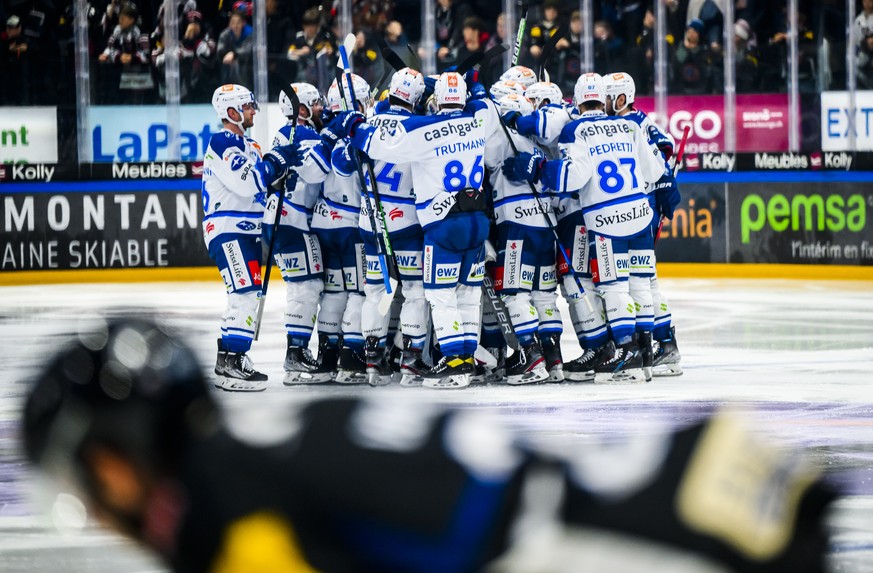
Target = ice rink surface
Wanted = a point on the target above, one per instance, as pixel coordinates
(796, 355)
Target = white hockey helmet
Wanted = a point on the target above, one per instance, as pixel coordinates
(542, 91)
(308, 95)
(620, 83)
(521, 74)
(589, 87)
(502, 88)
(450, 89)
(362, 95)
(515, 102)
(407, 85)
(232, 96)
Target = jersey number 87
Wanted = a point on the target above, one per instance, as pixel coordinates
(611, 179)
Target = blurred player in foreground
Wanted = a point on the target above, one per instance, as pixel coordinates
(372, 485)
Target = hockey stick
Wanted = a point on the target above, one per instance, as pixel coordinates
(416, 61)
(519, 36)
(383, 249)
(542, 74)
(267, 263)
(474, 60)
(677, 159)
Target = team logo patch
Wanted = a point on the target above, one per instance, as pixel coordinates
(246, 226)
(395, 213)
(237, 162)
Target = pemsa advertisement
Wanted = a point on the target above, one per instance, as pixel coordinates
(780, 218)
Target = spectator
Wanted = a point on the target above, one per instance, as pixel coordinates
(710, 13)
(450, 16)
(500, 34)
(365, 57)
(235, 51)
(183, 7)
(864, 43)
(608, 49)
(569, 56)
(279, 39)
(16, 69)
(196, 61)
(747, 58)
(312, 40)
(395, 36)
(127, 52)
(472, 34)
(371, 15)
(692, 62)
(643, 64)
(543, 30)
(807, 54)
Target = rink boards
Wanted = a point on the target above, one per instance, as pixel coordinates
(803, 224)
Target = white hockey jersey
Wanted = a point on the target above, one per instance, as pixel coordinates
(447, 149)
(300, 201)
(394, 182)
(610, 161)
(546, 125)
(233, 186)
(340, 203)
(514, 202)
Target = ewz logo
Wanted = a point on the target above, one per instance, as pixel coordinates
(407, 260)
(527, 276)
(622, 264)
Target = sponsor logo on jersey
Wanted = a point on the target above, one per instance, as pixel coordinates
(528, 274)
(512, 264)
(408, 261)
(548, 276)
(334, 215)
(293, 263)
(395, 213)
(255, 271)
(453, 128)
(236, 264)
(210, 226)
(477, 272)
(604, 128)
(246, 226)
(448, 273)
(428, 264)
(237, 162)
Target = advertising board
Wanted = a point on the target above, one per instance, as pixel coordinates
(28, 135)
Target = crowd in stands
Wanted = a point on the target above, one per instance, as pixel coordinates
(216, 44)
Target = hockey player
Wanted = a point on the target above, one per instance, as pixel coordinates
(448, 151)
(521, 74)
(610, 162)
(525, 267)
(234, 178)
(123, 417)
(394, 183)
(548, 119)
(335, 222)
(502, 88)
(652, 306)
(297, 251)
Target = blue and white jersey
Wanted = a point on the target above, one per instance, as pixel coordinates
(609, 161)
(393, 180)
(546, 125)
(513, 202)
(447, 151)
(660, 139)
(340, 203)
(232, 187)
(300, 201)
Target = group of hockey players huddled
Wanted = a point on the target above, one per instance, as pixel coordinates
(457, 202)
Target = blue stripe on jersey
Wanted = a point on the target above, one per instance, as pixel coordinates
(388, 198)
(317, 152)
(513, 199)
(296, 207)
(341, 206)
(248, 214)
(618, 201)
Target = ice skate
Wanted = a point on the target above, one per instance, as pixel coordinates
(496, 374)
(412, 365)
(526, 366)
(644, 339)
(300, 367)
(325, 370)
(450, 372)
(625, 366)
(667, 357)
(582, 369)
(554, 361)
(236, 373)
(352, 367)
(379, 371)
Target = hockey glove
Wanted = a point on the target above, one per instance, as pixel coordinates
(666, 195)
(476, 92)
(279, 160)
(344, 160)
(344, 124)
(661, 141)
(510, 118)
(524, 167)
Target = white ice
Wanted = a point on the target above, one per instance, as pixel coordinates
(799, 355)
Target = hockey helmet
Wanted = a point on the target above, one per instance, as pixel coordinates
(450, 90)
(515, 102)
(407, 85)
(362, 95)
(128, 386)
(542, 91)
(232, 96)
(589, 87)
(620, 83)
(309, 97)
(521, 74)
(502, 88)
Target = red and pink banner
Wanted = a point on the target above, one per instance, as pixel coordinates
(761, 121)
